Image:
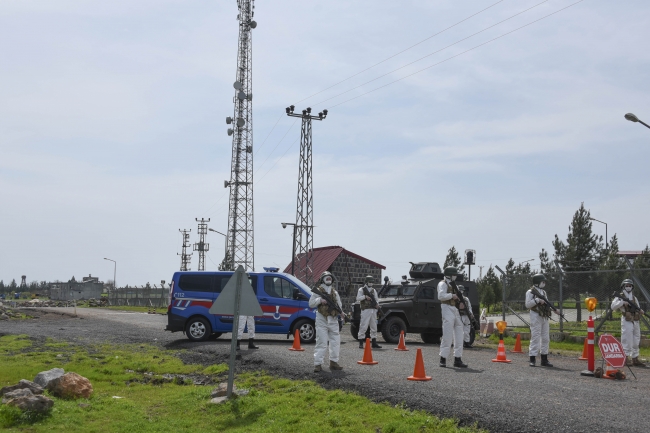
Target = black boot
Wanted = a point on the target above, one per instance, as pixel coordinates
(374, 344)
(545, 362)
(532, 361)
(361, 344)
(459, 363)
(251, 344)
(238, 344)
(443, 362)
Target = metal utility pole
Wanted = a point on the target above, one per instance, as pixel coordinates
(185, 258)
(240, 212)
(303, 242)
(201, 246)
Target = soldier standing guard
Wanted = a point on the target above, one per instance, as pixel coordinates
(540, 312)
(250, 321)
(631, 313)
(327, 324)
(365, 296)
(452, 325)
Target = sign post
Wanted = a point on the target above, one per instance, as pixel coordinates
(237, 297)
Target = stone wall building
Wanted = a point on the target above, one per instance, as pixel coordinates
(349, 270)
(90, 287)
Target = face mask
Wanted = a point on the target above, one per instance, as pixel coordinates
(453, 278)
(542, 284)
(369, 284)
(328, 281)
(628, 288)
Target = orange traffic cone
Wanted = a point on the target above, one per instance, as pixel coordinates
(517, 348)
(501, 353)
(367, 355)
(402, 345)
(584, 352)
(296, 342)
(418, 371)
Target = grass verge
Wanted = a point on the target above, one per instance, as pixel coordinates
(147, 403)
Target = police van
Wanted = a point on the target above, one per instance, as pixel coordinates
(284, 300)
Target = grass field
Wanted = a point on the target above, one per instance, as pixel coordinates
(148, 404)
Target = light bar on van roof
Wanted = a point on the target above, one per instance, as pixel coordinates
(271, 269)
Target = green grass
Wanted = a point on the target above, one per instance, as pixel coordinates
(272, 405)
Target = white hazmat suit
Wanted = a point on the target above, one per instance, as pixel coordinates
(243, 321)
(630, 330)
(539, 337)
(452, 324)
(327, 329)
(368, 315)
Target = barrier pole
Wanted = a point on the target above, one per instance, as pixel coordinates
(591, 306)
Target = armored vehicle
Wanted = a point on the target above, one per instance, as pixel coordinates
(413, 305)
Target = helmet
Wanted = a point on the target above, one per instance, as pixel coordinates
(324, 275)
(368, 279)
(538, 278)
(464, 290)
(626, 282)
(450, 271)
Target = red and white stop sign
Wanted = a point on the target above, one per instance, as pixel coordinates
(612, 351)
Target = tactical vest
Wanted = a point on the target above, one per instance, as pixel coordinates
(450, 289)
(324, 308)
(366, 304)
(629, 316)
(543, 310)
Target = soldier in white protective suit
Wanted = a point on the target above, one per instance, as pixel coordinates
(452, 325)
(467, 322)
(365, 296)
(631, 313)
(327, 324)
(250, 321)
(540, 312)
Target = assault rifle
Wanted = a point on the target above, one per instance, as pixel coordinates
(472, 318)
(461, 298)
(631, 305)
(536, 293)
(332, 305)
(373, 301)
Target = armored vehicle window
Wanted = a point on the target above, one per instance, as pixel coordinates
(427, 293)
(196, 283)
(418, 267)
(408, 290)
(278, 287)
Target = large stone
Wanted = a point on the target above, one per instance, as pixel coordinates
(70, 385)
(16, 394)
(4, 317)
(33, 403)
(23, 384)
(221, 390)
(45, 377)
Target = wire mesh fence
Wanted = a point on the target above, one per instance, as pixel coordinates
(567, 292)
(155, 297)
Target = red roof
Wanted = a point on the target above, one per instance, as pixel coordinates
(322, 259)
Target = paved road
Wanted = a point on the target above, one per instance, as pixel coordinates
(499, 397)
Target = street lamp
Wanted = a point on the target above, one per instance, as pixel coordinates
(293, 250)
(114, 272)
(225, 245)
(632, 118)
(594, 219)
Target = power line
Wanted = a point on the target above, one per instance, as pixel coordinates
(276, 146)
(457, 55)
(436, 52)
(403, 51)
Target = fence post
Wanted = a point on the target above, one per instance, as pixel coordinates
(561, 305)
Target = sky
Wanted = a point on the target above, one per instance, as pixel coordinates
(113, 133)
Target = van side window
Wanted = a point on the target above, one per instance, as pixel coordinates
(196, 283)
(222, 280)
(278, 287)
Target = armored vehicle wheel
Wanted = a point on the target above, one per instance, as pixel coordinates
(354, 330)
(430, 337)
(392, 328)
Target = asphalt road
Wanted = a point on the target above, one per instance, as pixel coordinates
(499, 397)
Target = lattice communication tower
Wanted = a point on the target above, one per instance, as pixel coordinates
(185, 258)
(304, 229)
(201, 246)
(239, 243)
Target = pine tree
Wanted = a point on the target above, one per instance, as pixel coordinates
(489, 289)
(453, 259)
(2, 286)
(643, 261)
(13, 286)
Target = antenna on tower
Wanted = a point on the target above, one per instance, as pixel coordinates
(304, 229)
(185, 258)
(240, 210)
(201, 246)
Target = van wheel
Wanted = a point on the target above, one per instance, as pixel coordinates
(393, 326)
(307, 331)
(430, 337)
(198, 329)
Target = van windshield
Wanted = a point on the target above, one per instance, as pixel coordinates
(299, 283)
